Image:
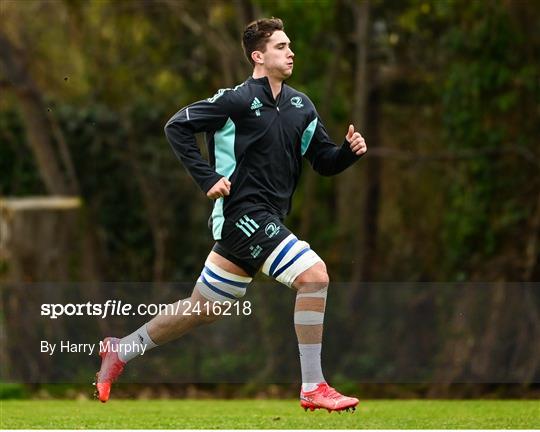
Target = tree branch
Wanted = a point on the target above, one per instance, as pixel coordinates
(437, 156)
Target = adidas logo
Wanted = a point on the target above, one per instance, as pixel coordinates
(247, 225)
(256, 104)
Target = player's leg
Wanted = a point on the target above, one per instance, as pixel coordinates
(220, 281)
(311, 291)
(296, 265)
(312, 287)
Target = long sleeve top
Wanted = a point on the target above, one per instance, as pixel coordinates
(256, 142)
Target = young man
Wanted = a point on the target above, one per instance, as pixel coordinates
(257, 135)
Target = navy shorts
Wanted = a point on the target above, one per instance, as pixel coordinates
(247, 241)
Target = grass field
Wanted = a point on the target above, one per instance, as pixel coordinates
(266, 414)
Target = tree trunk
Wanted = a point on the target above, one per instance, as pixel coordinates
(459, 345)
(310, 182)
(34, 115)
(531, 249)
(55, 166)
(366, 242)
(155, 208)
(349, 184)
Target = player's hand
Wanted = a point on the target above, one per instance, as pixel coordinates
(356, 141)
(220, 189)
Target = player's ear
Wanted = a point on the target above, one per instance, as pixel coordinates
(257, 57)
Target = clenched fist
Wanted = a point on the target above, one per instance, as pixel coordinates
(220, 189)
(356, 141)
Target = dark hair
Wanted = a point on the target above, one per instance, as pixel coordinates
(257, 33)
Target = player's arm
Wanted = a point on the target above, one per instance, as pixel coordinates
(203, 116)
(325, 157)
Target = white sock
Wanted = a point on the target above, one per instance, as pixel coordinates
(135, 344)
(310, 363)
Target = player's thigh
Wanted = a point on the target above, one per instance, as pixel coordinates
(248, 238)
(259, 240)
(221, 280)
(226, 264)
(293, 258)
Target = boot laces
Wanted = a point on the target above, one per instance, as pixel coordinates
(331, 393)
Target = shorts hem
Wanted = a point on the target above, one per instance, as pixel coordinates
(227, 255)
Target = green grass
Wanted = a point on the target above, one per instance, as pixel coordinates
(266, 414)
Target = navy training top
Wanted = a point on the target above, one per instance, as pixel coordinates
(256, 142)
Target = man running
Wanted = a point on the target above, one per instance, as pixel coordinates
(257, 134)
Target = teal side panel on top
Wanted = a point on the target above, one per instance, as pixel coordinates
(308, 135)
(225, 165)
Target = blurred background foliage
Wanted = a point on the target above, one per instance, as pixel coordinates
(446, 93)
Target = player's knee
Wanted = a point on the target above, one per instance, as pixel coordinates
(315, 276)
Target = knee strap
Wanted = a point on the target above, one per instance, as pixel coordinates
(289, 259)
(216, 284)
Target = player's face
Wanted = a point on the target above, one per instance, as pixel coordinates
(278, 57)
